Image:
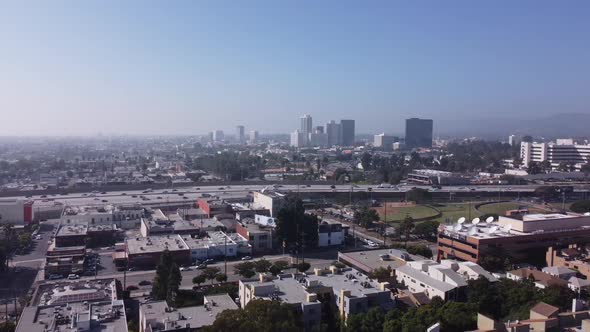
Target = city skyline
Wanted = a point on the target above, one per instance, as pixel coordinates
(181, 69)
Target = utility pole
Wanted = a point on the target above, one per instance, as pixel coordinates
(225, 255)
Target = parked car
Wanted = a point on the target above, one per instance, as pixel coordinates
(73, 277)
(144, 283)
(202, 266)
(55, 276)
(247, 258)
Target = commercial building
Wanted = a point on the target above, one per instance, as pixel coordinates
(334, 132)
(318, 139)
(561, 151)
(125, 216)
(269, 200)
(573, 257)
(16, 211)
(260, 236)
(88, 306)
(384, 142)
(146, 251)
(348, 133)
(541, 279)
(240, 137)
(306, 124)
(213, 206)
(332, 234)
(298, 139)
(64, 260)
(254, 136)
(348, 290)
(522, 237)
(218, 136)
(71, 235)
(418, 133)
(159, 224)
(369, 260)
(214, 245)
(431, 176)
(159, 317)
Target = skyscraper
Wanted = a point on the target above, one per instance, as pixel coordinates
(218, 135)
(240, 134)
(298, 139)
(306, 124)
(333, 130)
(418, 133)
(347, 127)
(253, 136)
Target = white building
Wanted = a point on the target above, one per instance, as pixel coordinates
(318, 139)
(512, 140)
(383, 141)
(253, 136)
(444, 280)
(265, 220)
(298, 139)
(16, 211)
(330, 235)
(218, 135)
(306, 124)
(269, 200)
(563, 150)
(215, 245)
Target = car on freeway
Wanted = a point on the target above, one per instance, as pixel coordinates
(73, 277)
(247, 258)
(144, 283)
(55, 276)
(220, 188)
(333, 186)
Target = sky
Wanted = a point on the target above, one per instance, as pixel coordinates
(189, 67)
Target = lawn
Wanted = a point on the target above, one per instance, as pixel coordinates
(396, 214)
(452, 212)
(501, 208)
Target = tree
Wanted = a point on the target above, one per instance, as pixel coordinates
(160, 284)
(262, 265)
(365, 217)
(293, 225)
(546, 192)
(304, 266)
(427, 229)
(534, 168)
(245, 269)
(420, 250)
(580, 206)
(200, 279)
(258, 315)
(210, 273)
(221, 278)
(381, 273)
(278, 267)
(406, 227)
(174, 280)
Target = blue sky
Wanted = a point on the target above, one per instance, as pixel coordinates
(187, 67)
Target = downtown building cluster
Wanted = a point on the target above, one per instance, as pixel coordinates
(332, 134)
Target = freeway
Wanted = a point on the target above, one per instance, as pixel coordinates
(188, 195)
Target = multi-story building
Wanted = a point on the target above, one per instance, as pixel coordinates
(298, 139)
(331, 234)
(348, 133)
(159, 317)
(574, 257)
(16, 211)
(218, 135)
(348, 290)
(334, 131)
(418, 133)
(213, 206)
(214, 245)
(318, 139)
(384, 142)
(432, 176)
(521, 237)
(446, 280)
(561, 151)
(64, 260)
(240, 134)
(146, 251)
(259, 236)
(306, 124)
(254, 136)
(91, 305)
(269, 200)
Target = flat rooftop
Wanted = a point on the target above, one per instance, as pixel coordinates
(547, 216)
(154, 244)
(368, 260)
(75, 291)
(100, 317)
(72, 229)
(160, 317)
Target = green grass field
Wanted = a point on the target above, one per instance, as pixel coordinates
(399, 213)
(501, 208)
(453, 211)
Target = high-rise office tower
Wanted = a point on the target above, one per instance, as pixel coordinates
(418, 133)
(253, 136)
(347, 127)
(218, 135)
(240, 134)
(306, 124)
(318, 130)
(334, 132)
(298, 139)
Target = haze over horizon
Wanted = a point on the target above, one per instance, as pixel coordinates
(183, 67)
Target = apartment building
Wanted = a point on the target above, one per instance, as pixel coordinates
(561, 151)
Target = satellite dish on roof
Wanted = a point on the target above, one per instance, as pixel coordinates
(461, 220)
(457, 227)
(507, 228)
(493, 229)
(489, 219)
(473, 231)
(475, 221)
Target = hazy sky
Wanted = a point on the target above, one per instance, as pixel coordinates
(176, 67)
